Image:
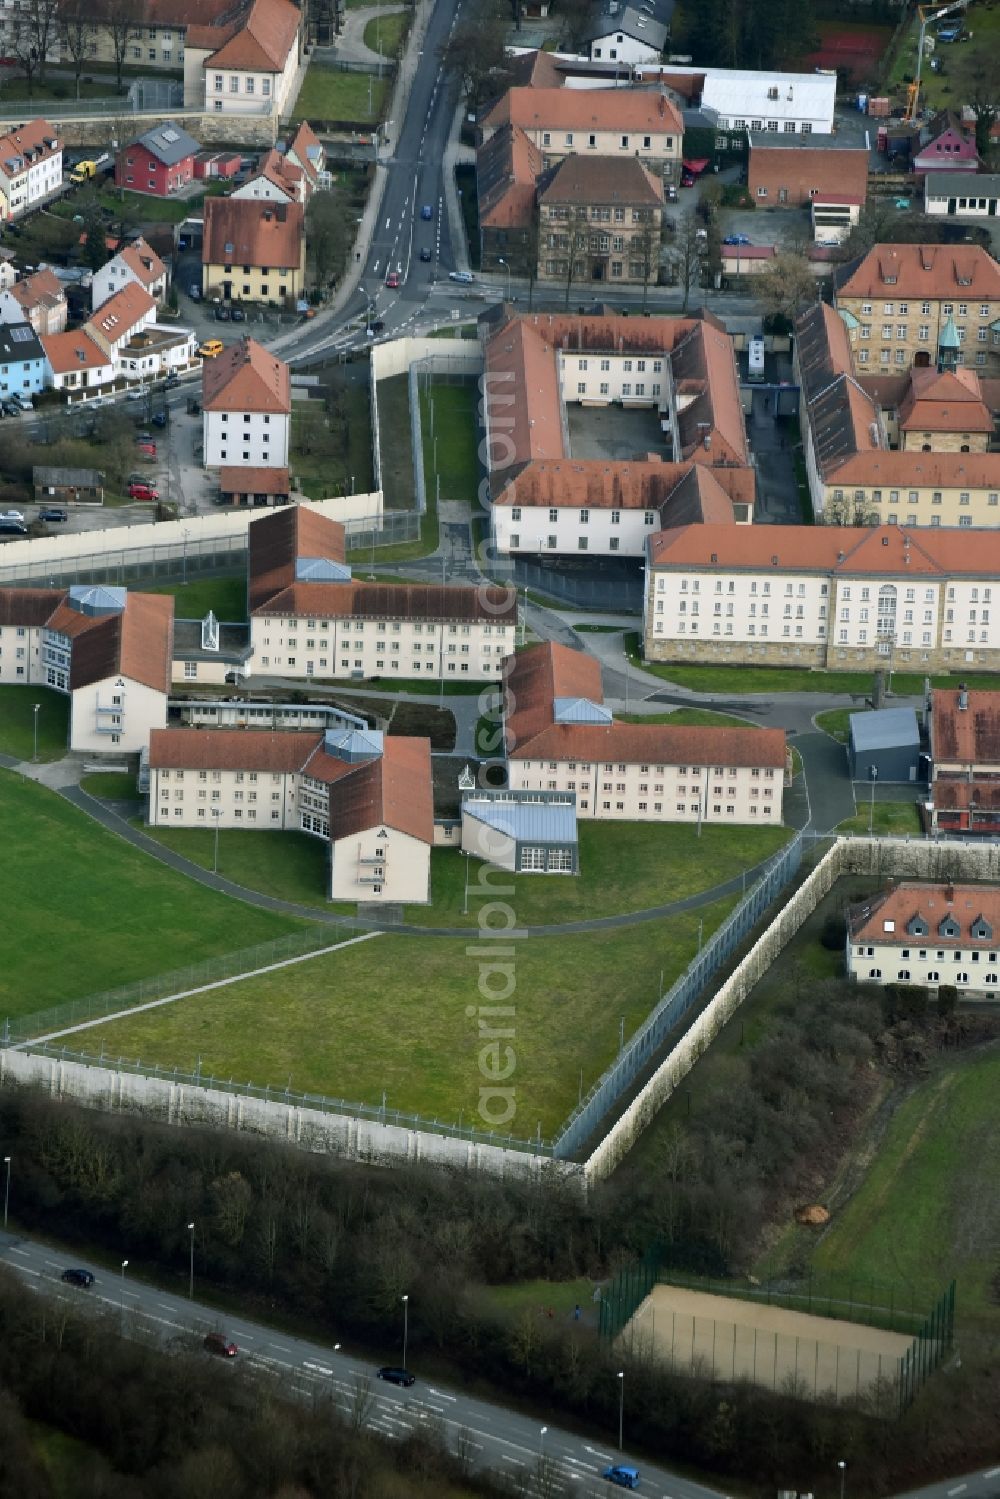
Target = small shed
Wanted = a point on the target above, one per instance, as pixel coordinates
(216, 165)
(243, 485)
(70, 486)
(522, 831)
(886, 742)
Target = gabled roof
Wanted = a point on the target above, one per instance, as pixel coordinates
(29, 606)
(306, 149)
(892, 551)
(246, 377)
(970, 734)
(249, 231)
(43, 289)
(536, 677)
(394, 790)
(625, 111)
(19, 343)
(226, 749)
(507, 166)
(27, 145)
(136, 643)
(283, 174)
(534, 70)
(67, 352)
(648, 23)
(243, 479)
(278, 540)
(586, 180)
(922, 272)
(699, 498)
(264, 40)
(121, 312)
(143, 262)
(416, 601)
(944, 401)
(710, 423)
(604, 484)
(972, 913)
(168, 143)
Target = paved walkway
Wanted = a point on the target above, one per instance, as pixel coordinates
(350, 45)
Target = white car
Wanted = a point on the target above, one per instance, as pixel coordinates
(11, 515)
(135, 395)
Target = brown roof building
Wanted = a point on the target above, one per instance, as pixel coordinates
(607, 213)
(786, 171)
(964, 732)
(618, 122)
(253, 250)
(246, 377)
(39, 300)
(263, 40)
(507, 167)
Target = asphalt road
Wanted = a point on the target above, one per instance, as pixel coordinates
(490, 1435)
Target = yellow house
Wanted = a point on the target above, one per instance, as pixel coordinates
(254, 251)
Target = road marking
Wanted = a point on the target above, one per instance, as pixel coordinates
(992, 1473)
(164, 1306)
(280, 1347)
(14, 1250)
(27, 1270)
(506, 1458)
(316, 1368)
(960, 1489)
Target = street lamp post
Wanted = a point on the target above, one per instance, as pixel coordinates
(501, 261)
(621, 1408)
(184, 555)
(843, 1476)
(541, 1444)
(124, 1268)
(216, 813)
(873, 776)
(34, 753)
(406, 1324)
(191, 1271)
(6, 1190)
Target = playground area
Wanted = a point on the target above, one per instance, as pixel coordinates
(820, 1358)
(854, 50)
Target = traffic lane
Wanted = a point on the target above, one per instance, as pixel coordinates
(508, 1440)
(982, 1485)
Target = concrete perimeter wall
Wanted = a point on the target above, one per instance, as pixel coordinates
(209, 129)
(112, 1090)
(451, 356)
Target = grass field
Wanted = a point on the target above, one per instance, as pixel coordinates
(290, 866)
(140, 208)
(84, 911)
(110, 785)
(393, 1014)
(623, 867)
(450, 432)
(17, 727)
(836, 722)
(896, 818)
(386, 34)
(962, 61)
(454, 425)
(928, 1208)
(327, 94)
(690, 716)
(226, 597)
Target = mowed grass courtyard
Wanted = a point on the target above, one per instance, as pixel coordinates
(400, 1015)
(84, 911)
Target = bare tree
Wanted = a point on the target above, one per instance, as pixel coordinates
(573, 236)
(119, 20)
(685, 254)
(74, 34)
(34, 29)
(786, 287)
(645, 249)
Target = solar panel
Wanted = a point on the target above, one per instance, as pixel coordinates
(22, 335)
(169, 134)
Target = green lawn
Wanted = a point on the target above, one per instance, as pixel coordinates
(449, 419)
(331, 442)
(747, 679)
(327, 94)
(386, 34)
(623, 867)
(84, 911)
(927, 1207)
(896, 818)
(951, 87)
(681, 716)
(60, 87)
(393, 1014)
(17, 726)
(110, 785)
(226, 597)
(837, 723)
(291, 866)
(138, 208)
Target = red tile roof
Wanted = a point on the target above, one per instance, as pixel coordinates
(710, 418)
(507, 166)
(121, 312)
(234, 479)
(231, 749)
(269, 236)
(949, 401)
(395, 791)
(307, 149)
(417, 601)
(264, 40)
(246, 377)
(136, 643)
(586, 180)
(924, 272)
(67, 352)
(898, 470)
(896, 908)
(43, 289)
(278, 540)
(881, 550)
(600, 484)
(27, 146)
(28, 606)
(971, 735)
(624, 111)
(143, 262)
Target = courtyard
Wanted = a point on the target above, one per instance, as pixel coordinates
(611, 432)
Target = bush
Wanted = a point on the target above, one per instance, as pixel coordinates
(947, 1000)
(834, 934)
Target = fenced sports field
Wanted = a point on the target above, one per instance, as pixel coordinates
(719, 1337)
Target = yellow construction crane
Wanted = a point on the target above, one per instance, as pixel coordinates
(925, 14)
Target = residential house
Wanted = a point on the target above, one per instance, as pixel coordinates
(944, 145)
(107, 649)
(962, 195)
(245, 66)
(254, 252)
(784, 171)
(622, 123)
(275, 179)
(67, 486)
(628, 33)
(134, 263)
(160, 162)
(121, 341)
(964, 731)
(80, 366)
(30, 167)
(606, 214)
(839, 597)
(942, 476)
(308, 617)
(931, 935)
(246, 408)
(39, 299)
(923, 305)
(23, 365)
(155, 42)
(546, 500)
(561, 737)
(367, 795)
(507, 167)
(252, 487)
(306, 151)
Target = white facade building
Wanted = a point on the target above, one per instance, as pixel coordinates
(30, 167)
(137, 264)
(928, 935)
(246, 408)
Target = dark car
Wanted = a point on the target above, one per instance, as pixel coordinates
(426, 211)
(238, 315)
(159, 419)
(736, 239)
(12, 528)
(173, 378)
(396, 1376)
(12, 408)
(222, 315)
(217, 1342)
(52, 513)
(425, 254)
(622, 1477)
(75, 1277)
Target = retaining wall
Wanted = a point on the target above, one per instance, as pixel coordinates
(209, 129)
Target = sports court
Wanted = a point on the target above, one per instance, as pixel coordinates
(853, 49)
(823, 1358)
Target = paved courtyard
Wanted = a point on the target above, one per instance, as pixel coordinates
(610, 432)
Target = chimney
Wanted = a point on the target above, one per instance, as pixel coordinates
(949, 892)
(963, 698)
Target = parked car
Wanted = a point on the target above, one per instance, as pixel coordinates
(737, 239)
(135, 395)
(52, 513)
(12, 408)
(173, 378)
(11, 515)
(623, 1478)
(426, 211)
(222, 314)
(395, 1375)
(149, 448)
(464, 278)
(671, 192)
(425, 254)
(194, 292)
(76, 1277)
(239, 316)
(12, 528)
(24, 402)
(211, 348)
(217, 1342)
(159, 419)
(687, 180)
(140, 490)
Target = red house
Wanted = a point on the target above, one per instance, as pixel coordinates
(160, 162)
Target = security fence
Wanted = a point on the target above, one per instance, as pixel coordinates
(679, 999)
(613, 592)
